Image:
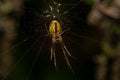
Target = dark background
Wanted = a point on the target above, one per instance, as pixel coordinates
(81, 40)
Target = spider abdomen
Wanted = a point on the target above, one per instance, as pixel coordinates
(55, 27)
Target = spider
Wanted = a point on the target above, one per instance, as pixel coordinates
(55, 31)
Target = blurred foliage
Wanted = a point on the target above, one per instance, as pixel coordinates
(6, 8)
(107, 49)
(90, 2)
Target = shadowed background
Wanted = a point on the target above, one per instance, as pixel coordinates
(30, 60)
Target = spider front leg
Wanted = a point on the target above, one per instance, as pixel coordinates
(66, 52)
(65, 48)
(53, 54)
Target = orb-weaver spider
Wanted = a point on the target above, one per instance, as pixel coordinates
(55, 31)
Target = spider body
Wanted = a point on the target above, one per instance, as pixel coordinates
(55, 31)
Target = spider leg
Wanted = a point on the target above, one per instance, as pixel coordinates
(66, 58)
(65, 48)
(53, 54)
(64, 31)
(55, 60)
(46, 29)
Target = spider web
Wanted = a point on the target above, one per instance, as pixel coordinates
(32, 47)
